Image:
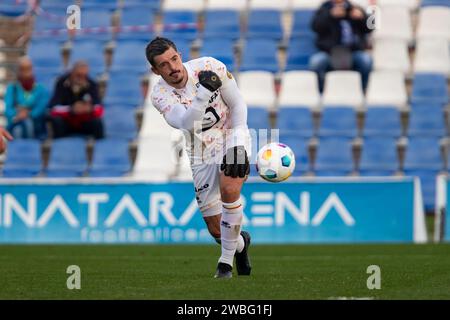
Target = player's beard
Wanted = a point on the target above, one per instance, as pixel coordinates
(176, 82)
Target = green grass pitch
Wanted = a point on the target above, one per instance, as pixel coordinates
(185, 272)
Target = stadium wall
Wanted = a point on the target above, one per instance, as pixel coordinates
(319, 210)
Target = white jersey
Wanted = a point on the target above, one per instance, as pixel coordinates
(209, 131)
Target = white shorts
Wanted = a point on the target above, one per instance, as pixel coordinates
(207, 188)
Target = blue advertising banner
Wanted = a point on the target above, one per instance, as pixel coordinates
(298, 211)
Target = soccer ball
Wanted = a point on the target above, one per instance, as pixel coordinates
(275, 162)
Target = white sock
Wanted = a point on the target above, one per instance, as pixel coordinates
(240, 244)
(230, 229)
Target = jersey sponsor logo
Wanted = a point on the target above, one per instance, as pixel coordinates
(213, 97)
(202, 188)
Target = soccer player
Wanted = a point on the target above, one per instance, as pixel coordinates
(201, 98)
(4, 134)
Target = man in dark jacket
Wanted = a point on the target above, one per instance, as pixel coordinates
(341, 30)
(76, 106)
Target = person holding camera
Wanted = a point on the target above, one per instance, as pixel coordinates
(341, 29)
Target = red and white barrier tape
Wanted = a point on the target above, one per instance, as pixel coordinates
(119, 29)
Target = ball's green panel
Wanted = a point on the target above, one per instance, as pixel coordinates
(270, 174)
(286, 161)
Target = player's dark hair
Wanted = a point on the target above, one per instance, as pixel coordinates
(158, 46)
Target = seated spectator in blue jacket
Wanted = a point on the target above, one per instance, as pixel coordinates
(341, 29)
(26, 103)
(76, 107)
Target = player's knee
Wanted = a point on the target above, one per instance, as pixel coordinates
(229, 191)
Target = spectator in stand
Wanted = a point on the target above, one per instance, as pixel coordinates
(75, 108)
(26, 103)
(342, 29)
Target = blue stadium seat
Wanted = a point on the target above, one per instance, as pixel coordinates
(258, 118)
(338, 121)
(296, 120)
(426, 122)
(23, 159)
(99, 36)
(382, 121)
(265, 23)
(129, 56)
(104, 4)
(299, 146)
(91, 51)
(143, 4)
(423, 153)
(110, 158)
(302, 23)
(221, 49)
(441, 3)
(56, 4)
(379, 156)
(47, 79)
(67, 158)
(222, 24)
(298, 53)
(13, 8)
(173, 24)
(259, 126)
(46, 55)
(334, 157)
(119, 122)
(430, 105)
(429, 87)
(96, 16)
(260, 54)
(423, 159)
(53, 18)
(123, 89)
(136, 16)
